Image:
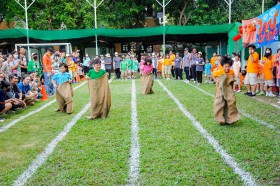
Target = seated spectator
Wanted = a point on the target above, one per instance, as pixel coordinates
(25, 88)
(14, 92)
(35, 85)
(5, 102)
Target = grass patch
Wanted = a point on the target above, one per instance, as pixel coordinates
(172, 150)
(252, 145)
(94, 152)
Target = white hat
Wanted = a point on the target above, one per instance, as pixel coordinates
(107, 55)
(116, 53)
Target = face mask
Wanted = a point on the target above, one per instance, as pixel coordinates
(35, 57)
(268, 52)
(16, 56)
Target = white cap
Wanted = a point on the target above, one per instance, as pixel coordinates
(116, 53)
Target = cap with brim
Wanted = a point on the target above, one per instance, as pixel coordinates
(34, 53)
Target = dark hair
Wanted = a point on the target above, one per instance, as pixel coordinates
(13, 52)
(278, 50)
(96, 61)
(233, 53)
(267, 55)
(215, 52)
(237, 56)
(64, 65)
(226, 60)
(244, 72)
(11, 76)
(252, 46)
(24, 77)
(148, 60)
(5, 84)
(51, 50)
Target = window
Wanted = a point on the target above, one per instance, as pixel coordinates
(125, 48)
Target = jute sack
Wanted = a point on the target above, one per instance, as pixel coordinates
(64, 97)
(147, 82)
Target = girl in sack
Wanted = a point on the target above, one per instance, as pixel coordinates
(64, 92)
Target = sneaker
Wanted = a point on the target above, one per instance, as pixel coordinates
(187, 81)
(247, 93)
(193, 81)
(198, 84)
(1, 119)
(266, 94)
(271, 94)
(251, 95)
(261, 93)
(238, 91)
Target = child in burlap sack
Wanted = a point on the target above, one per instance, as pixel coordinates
(225, 110)
(64, 92)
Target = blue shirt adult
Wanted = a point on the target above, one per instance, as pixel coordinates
(207, 68)
(86, 61)
(108, 66)
(61, 78)
(200, 64)
(187, 59)
(24, 88)
(117, 62)
(178, 62)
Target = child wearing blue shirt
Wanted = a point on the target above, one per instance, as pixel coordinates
(64, 92)
(208, 67)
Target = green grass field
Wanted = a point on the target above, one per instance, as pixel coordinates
(172, 150)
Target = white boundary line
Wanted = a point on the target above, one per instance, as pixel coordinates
(260, 100)
(134, 171)
(245, 176)
(241, 111)
(12, 123)
(41, 158)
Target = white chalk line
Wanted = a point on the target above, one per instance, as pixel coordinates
(134, 171)
(245, 176)
(241, 111)
(41, 158)
(12, 123)
(274, 105)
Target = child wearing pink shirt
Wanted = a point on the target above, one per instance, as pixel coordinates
(147, 77)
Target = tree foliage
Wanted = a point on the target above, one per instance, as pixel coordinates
(78, 14)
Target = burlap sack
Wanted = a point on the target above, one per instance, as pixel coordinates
(64, 97)
(225, 110)
(147, 82)
(100, 97)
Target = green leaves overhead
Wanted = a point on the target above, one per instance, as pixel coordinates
(78, 14)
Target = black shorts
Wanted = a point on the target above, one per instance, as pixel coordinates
(2, 107)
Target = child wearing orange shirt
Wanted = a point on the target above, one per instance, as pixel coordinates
(267, 61)
(225, 110)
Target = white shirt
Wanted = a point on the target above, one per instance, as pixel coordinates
(236, 68)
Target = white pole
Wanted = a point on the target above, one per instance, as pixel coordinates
(163, 39)
(95, 25)
(94, 6)
(229, 12)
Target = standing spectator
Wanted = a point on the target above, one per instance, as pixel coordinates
(141, 64)
(160, 62)
(16, 64)
(23, 61)
(34, 65)
(178, 67)
(47, 69)
(233, 54)
(213, 60)
(123, 69)
(155, 64)
(116, 63)
(252, 71)
(62, 58)
(193, 66)
(167, 67)
(71, 66)
(172, 58)
(236, 69)
(199, 68)
(86, 63)
(187, 62)
(135, 66)
(102, 61)
(108, 64)
(7, 65)
(208, 67)
(129, 66)
(267, 61)
(277, 64)
(28, 97)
